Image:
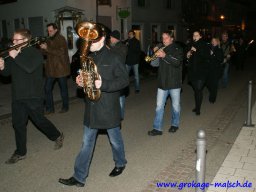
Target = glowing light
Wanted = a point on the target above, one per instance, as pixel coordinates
(222, 17)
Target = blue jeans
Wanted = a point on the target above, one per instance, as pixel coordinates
(83, 159)
(49, 104)
(122, 105)
(160, 104)
(225, 75)
(135, 69)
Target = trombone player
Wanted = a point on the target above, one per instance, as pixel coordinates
(169, 83)
(25, 64)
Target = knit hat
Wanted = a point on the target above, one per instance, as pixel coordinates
(115, 34)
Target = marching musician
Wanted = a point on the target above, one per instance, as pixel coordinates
(198, 67)
(169, 83)
(56, 68)
(102, 114)
(25, 64)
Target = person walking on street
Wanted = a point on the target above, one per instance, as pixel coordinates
(117, 46)
(214, 74)
(102, 114)
(169, 83)
(56, 68)
(227, 48)
(198, 67)
(133, 58)
(26, 69)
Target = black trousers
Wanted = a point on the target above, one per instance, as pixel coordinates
(32, 109)
(198, 86)
(212, 84)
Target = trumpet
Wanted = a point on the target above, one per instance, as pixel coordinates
(29, 43)
(154, 56)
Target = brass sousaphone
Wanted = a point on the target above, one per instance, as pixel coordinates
(89, 32)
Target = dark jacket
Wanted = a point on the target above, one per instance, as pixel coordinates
(170, 68)
(27, 74)
(121, 49)
(199, 61)
(57, 63)
(105, 113)
(216, 59)
(133, 55)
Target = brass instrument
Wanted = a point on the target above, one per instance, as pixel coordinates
(89, 32)
(153, 57)
(29, 43)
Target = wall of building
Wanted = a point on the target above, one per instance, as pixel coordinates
(112, 12)
(155, 13)
(23, 9)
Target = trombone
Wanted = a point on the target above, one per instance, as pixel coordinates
(31, 42)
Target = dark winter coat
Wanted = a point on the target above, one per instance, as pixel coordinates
(199, 61)
(121, 49)
(57, 63)
(170, 68)
(133, 55)
(27, 74)
(216, 60)
(105, 113)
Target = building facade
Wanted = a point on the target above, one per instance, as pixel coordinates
(150, 18)
(36, 14)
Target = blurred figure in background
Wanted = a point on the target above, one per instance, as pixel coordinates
(133, 58)
(56, 68)
(227, 48)
(215, 70)
(121, 49)
(198, 58)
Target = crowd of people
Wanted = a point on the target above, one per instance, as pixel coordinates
(206, 63)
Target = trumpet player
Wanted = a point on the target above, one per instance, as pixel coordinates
(169, 83)
(26, 68)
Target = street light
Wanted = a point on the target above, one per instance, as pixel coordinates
(222, 17)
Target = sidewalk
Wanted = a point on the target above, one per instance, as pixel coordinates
(240, 163)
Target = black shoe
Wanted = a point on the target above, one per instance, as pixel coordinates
(48, 112)
(173, 129)
(63, 110)
(15, 158)
(137, 91)
(212, 100)
(154, 132)
(70, 182)
(116, 171)
(59, 142)
(196, 111)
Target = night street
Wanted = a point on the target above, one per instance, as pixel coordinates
(165, 158)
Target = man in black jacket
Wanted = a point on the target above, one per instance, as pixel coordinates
(102, 114)
(169, 83)
(26, 68)
(117, 46)
(133, 58)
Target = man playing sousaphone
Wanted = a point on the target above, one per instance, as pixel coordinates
(169, 83)
(103, 113)
(25, 64)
